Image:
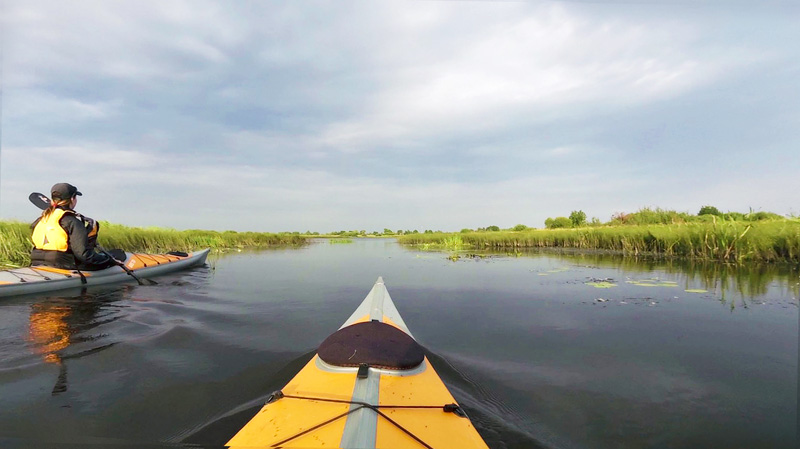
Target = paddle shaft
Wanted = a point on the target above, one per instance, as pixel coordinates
(127, 270)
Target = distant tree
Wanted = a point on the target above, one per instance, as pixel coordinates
(493, 228)
(399, 232)
(466, 230)
(578, 218)
(558, 222)
(709, 210)
(595, 222)
(387, 231)
(519, 227)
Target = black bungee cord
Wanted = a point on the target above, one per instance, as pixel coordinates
(448, 408)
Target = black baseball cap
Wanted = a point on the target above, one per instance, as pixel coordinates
(64, 191)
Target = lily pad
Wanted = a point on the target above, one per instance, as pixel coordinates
(653, 283)
(601, 284)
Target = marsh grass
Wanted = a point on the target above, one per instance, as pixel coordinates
(15, 243)
(15, 249)
(454, 243)
(728, 241)
(340, 241)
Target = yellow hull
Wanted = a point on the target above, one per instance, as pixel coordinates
(328, 406)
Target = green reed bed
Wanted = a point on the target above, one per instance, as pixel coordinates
(15, 243)
(768, 241)
(15, 249)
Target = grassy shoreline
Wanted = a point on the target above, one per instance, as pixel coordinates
(15, 243)
(727, 241)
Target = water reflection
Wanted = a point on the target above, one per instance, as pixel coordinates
(63, 328)
(516, 340)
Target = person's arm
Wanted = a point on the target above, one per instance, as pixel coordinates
(79, 243)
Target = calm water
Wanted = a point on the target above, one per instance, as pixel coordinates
(537, 356)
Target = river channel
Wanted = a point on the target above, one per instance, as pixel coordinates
(543, 350)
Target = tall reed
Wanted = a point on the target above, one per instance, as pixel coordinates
(15, 246)
(730, 241)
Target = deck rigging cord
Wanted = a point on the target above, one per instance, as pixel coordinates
(448, 408)
(35, 273)
(22, 279)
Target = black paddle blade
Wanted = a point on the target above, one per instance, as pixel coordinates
(141, 281)
(39, 200)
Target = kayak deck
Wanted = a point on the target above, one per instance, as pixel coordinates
(327, 405)
(39, 279)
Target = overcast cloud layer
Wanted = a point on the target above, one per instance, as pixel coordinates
(331, 115)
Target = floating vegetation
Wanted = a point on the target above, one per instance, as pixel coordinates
(601, 284)
(553, 271)
(749, 279)
(468, 256)
(605, 302)
(653, 283)
(338, 241)
(696, 290)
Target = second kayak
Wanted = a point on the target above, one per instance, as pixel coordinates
(370, 385)
(38, 279)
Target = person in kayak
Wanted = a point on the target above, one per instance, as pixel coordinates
(62, 238)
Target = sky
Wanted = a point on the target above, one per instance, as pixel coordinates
(313, 115)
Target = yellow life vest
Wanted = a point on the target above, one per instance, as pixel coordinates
(48, 233)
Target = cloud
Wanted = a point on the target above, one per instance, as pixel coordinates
(523, 65)
(123, 40)
(47, 108)
(445, 113)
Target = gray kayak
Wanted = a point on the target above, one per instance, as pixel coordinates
(20, 281)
